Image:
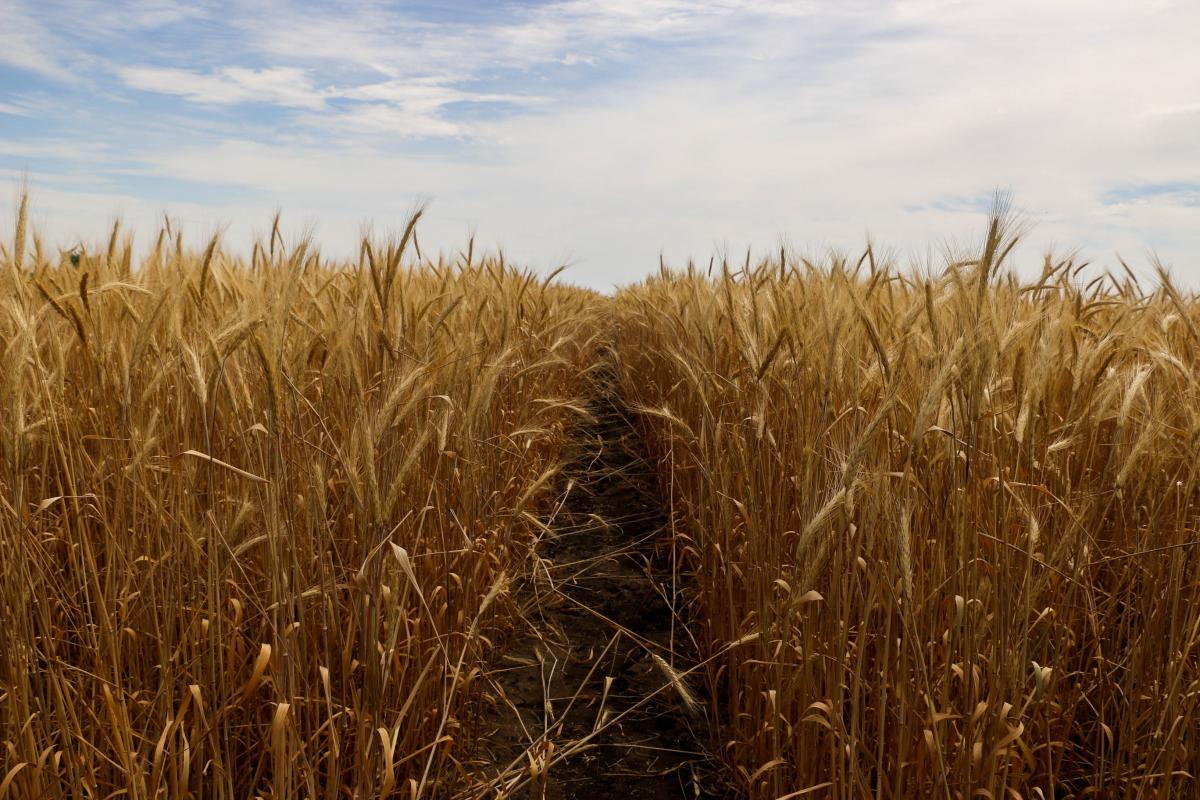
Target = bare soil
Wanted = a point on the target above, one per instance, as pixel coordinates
(584, 709)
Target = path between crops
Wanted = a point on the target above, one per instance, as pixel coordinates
(582, 690)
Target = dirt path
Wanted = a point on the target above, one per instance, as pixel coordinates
(583, 690)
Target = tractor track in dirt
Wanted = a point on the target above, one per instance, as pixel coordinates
(587, 703)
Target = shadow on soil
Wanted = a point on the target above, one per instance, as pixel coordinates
(588, 688)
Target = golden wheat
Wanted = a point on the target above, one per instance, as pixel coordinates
(257, 517)
(987, 489)
(262, 519)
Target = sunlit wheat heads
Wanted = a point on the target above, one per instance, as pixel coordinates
(210, 469)
(959, 511)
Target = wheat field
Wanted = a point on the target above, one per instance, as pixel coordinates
(270, 524)
(258, 517)
(952, 518)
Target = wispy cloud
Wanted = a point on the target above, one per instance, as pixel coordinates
(27, 45)
(398, 121)
(62, 150)
(15, 110)
(487, 37)
(403, 108)
(282, 86)
(1183, 193)
(978, 203)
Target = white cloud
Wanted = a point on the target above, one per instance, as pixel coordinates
(401, 122)
(47, 38)
(283, 86)
(429, 94)
(66, 151)
(400, 108)
(27, 45)
(568, 32)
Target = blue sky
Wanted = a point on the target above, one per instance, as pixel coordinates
(603, 133)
